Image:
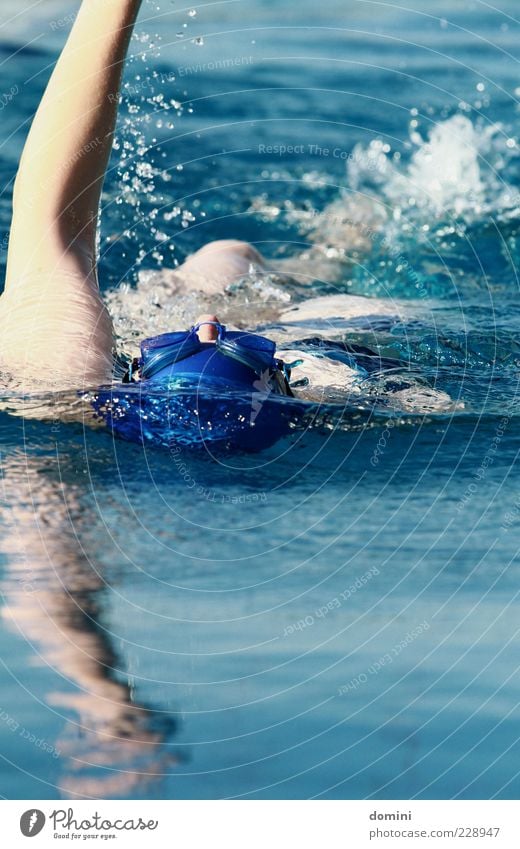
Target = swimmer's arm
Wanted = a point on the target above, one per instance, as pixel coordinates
(52, 248)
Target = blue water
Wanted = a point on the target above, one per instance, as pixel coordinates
(336, 616)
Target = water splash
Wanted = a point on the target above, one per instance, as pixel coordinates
(456, 170)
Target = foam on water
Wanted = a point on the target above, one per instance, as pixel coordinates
(455, 171)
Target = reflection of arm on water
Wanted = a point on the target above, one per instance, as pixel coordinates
(54, 598)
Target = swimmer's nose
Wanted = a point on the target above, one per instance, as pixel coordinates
(207, 332)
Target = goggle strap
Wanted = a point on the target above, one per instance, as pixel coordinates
(221, 327)
(188, 346)
(250, 359)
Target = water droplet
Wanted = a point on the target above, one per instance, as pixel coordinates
(192, 13)
(480, 87)
(511, 143)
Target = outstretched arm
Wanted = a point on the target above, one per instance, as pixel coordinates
(51, 314)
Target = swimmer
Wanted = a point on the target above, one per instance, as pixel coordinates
(55, 328)
(54, 325)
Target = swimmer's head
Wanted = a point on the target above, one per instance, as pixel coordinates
(208, 352)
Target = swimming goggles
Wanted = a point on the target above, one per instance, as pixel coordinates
(254, 352)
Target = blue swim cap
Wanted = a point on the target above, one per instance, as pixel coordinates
(223, 394)
(237, 359)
